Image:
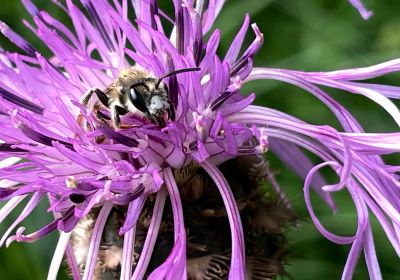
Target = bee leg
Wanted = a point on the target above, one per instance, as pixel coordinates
(121, 110)
(100, 95)
(116, 112)
(161, 122)
(101, 116)
(153, 119)
(115, 117)
(158, 121)
(171, 112)
(86, 97)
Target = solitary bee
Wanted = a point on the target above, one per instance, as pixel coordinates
(138, 92)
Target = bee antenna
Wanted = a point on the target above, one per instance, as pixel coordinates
(176, 72)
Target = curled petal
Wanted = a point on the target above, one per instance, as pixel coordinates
(33, 202)
(40, 233)
(332, 237)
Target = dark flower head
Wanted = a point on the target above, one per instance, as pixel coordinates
(75, 155)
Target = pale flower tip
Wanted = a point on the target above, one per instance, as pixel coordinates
(157, 179)
(263, 141)
(10, 240)
(333, 188)
(187, 4)
(367, 15)
(200, 125)
(16, 237)
(100, 198)
(257, 31)
(3, 26)
(236, 85)
(15, 121)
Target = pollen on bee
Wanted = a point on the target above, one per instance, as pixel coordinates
(71, 182)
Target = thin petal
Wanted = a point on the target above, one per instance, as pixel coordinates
(151, 237)
(58, 255)
(9, 206)
(370, 256)
(237, 268)
(95, 241)
(127, 254)
(175, 265)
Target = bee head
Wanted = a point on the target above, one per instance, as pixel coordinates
(150, 96)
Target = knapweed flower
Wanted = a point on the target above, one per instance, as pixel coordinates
(101, 178)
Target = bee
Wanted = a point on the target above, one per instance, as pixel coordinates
(138, 92)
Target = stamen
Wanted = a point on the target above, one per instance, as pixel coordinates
(118, 137)
(249, 53)
(41, 138)
(94, 17)
(9, 148)
(19, 101)
(220, 100)
(180, 31)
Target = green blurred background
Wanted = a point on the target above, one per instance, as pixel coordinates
(308, 35)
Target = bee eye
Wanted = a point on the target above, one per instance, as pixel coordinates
(137, 100)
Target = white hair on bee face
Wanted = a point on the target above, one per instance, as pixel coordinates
(156, 104)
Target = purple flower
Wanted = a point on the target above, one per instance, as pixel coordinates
(59, 149)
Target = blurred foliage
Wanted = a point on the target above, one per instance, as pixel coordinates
(313, 35)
